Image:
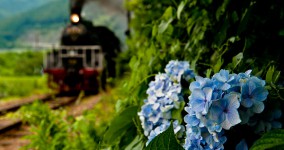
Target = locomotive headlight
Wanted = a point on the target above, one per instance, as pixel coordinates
(72, 53)
(75, 18)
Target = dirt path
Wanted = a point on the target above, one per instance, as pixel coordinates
(13, 139)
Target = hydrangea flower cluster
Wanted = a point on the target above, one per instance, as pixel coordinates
(164, 95)
(219, 103)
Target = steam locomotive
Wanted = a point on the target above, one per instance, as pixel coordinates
(85, 58)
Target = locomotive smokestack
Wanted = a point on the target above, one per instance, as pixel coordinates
(76, 7)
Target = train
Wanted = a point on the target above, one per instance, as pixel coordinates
(85, 57)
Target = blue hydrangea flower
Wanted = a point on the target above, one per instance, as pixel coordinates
(178, 69)
(201, 100)
(242, 145)
(201, 83)
(164, 95)
(223, 78)
(219, 103)
(266, 121)
(225, 111)
(162, 128)
(253, 94)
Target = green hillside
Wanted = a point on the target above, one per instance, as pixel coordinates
(9, 8)
(43, 21)
(48, 16)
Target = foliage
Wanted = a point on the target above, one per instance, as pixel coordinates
(50, 131)
(25, 63)
(22, 86)
(165, 141)
(211, 35)
(165, 97)
(20, 73)
(270, 140)
(53, 130)
(121, 124)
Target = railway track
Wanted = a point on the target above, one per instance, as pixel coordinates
(11, 134)
(10, 123)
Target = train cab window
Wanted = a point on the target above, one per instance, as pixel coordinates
(80, 51)
(64, 51)
(89, 57)
(55, 58)
(97, 58)
(48, 58)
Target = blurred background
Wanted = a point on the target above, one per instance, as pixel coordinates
(36, 25)
(29, 29)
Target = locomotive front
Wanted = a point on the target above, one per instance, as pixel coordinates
(77, 63)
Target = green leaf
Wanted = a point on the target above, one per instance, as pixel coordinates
(176, 114)
(218, 65)
(133, 64)
(168, 14)
(281, 32)
(165, 141)
(269, 74)
(120, 124)
(272, 75)
(180, 8)
(236, 60)
(164, 25)
(272, 139)
(208, 73)
(136, 144)
(221, 10)
(276, 76)
(235, 17)
(154, 30)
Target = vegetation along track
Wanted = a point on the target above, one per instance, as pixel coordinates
(12, 139)
(7, 123)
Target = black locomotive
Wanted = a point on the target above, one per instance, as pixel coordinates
(86, 56)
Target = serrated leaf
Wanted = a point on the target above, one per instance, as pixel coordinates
(272, 139)
(120, 124)
(165, 141)
(180, 8)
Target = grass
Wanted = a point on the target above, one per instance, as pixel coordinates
(13, 87)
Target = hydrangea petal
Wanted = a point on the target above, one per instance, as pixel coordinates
(258, 107)
(233, 99)
(198, 94)
(260, 94)
(242, 145)
(208, 93)
(247, 102)
(233, 117)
